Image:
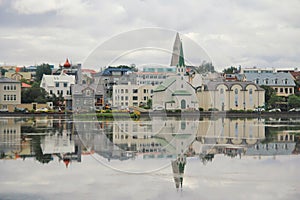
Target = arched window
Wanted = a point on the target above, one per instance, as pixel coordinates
(236, 91)
(183, 104)
(221, 91)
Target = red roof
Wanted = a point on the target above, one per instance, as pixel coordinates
(67, 64)
(25, 85)
(91, 71)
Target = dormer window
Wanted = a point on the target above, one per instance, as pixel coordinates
(285, 81)
(267, 81)
(276, 81)
(257, 81)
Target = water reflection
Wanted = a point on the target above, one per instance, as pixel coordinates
(146, 146)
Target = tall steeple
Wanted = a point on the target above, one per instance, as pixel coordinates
(176, 51)
(177, 56)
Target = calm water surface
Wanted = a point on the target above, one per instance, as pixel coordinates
(159, 158)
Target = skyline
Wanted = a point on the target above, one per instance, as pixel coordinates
(232, 33)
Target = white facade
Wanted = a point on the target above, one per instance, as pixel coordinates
(58, 84)
(131, 95)
(231, 95)
(175, 93)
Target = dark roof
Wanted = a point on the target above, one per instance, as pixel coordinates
(212, 85)
(8, 80)
(108, 71)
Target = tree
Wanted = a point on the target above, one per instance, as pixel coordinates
(294, 101)
(41, 70)
(205, 67)
(3, 71)
(274, 100)
(230, 70)
(34, 94)
(268, 92)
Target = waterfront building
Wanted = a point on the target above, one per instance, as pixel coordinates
(59, 85)
(230, 95)
(10, 94)
(131, 95)
(176, 92)
(283, 83)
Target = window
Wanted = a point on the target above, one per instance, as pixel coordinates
(62, 92)
(285, 81)
(221, 91)
(122, 98)
(5, 97)
(4, 87)
(134, 98)
(281, 90)
(145, 98)
(65, 84)
(135, 90)
(51, 92)
(236, 91)
(15, 97)
(250, 91)
(122, 91)
(291, 90)
(145, 91)
(276, 90)
(56, 84)
(57, 92)
(257, 81)
(276, 81)
(286, 90)
(267, 81)
(126, 98)
(126, 90)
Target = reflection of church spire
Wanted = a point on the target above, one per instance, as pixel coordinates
(178, 170)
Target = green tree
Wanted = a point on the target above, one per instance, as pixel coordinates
(3, 71)
(294, 101)
(230, 70)
(274, 100)
(34, 94)
(41, 70)
(268, 92)
(205, 67)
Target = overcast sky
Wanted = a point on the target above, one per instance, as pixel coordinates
(261, 33)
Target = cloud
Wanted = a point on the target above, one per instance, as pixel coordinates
(261, 33)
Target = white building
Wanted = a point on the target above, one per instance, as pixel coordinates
(58, 84)
(131, 95)
(10, 93)
(230, 95)
(154, 75)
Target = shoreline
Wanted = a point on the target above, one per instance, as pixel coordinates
(211, 114)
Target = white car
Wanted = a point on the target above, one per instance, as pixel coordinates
(259, 110)
(275, 110)
(42, 110)
(294, 110)
(158, 108)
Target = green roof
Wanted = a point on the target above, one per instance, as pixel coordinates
(181, 93)
(165, 84)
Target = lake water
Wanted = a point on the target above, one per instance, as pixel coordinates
(158, 158)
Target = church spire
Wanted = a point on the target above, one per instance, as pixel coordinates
(177, 56)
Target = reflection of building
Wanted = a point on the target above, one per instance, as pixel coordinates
(10, 137)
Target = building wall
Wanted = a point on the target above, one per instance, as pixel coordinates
(234, 98)
(131, 95)
(10, 94)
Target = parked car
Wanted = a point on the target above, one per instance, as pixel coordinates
(275, 110)
(3, 110)
(259, 109)
(294, 110)
(42, 110)
(158, 108)
(22, 110)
